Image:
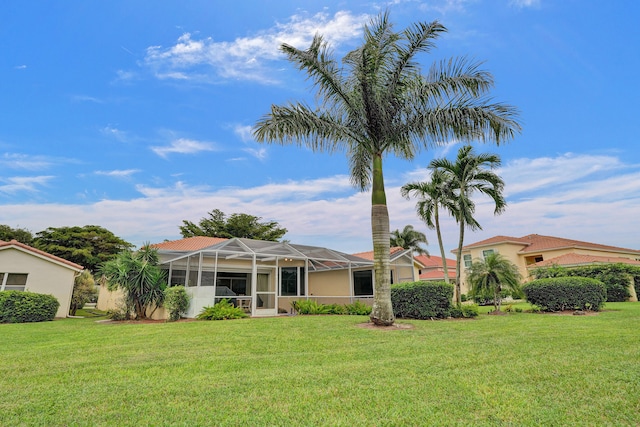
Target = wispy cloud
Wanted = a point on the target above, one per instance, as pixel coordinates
(247, 58)
(116, 133)
(18, 184)
(524, 3)
(183, 146)
(86, 98)
(20, 67)
(125, 173)
(26, 162)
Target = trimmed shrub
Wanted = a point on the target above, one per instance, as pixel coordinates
(22, 307)
(566, 293)
(422, 300)
(616, 277)
(176, 301)
(223, 310)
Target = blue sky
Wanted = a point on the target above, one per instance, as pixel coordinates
(136, 115)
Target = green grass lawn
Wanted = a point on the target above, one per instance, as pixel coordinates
(517, 369)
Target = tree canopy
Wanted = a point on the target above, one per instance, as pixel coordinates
(217, 224)
(88, 246)
(409, 238)
(469, 174)
(21, 235)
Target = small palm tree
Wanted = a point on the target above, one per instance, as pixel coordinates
(139, 277)
(378, 103)
(432, 195)
(409, 238)
(492, 275)
(470, 173)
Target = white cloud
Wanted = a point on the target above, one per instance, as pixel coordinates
(19, 184)
(258, 153)
(25, 162)
(118, 134)
(598, 206)
(118, 173)
(183, 146)
(247, 58)
(244, 132)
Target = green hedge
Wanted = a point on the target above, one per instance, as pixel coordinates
(422, 300)
(22, 307)
(616, 277)
(566, 293)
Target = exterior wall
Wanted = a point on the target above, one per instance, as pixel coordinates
(111, 300)
(43, 277)
(507, 250)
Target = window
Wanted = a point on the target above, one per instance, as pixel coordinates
(13, 281)
(538, 259)
(487, 252)
(231, 284)
(292, 281)
(363, 283)
(467, 260)
(178, 277)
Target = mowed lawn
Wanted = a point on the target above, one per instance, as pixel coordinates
(517, 369)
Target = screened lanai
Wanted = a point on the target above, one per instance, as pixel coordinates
(265, 277)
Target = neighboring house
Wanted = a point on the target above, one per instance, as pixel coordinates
(264, 277)
(534, 250)
(433, 269)
(23, 268)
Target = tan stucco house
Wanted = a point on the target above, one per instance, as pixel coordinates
(23, 268)
(264, 277)
(535, 250)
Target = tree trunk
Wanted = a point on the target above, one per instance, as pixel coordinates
(458, 296)
(444, 258)
(382, 311)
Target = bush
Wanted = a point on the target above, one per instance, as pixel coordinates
(310, 307)
(616, 277)
(358, 308)
(422, 300)
(22, 307)
(566, 293)
(223, 310)
(176, 301)
(464, 311)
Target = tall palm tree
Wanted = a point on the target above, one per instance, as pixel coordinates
(470, 173)
(493, 274)
(433, 195)
(409, 238)
(379, 103)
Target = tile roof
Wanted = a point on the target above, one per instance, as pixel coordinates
(37, 252)
(539, 243)
(188, 244)
(369, 255)
(437, 274)
(434, 261)
(572, 259)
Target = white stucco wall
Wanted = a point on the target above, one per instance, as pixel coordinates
(43, 276)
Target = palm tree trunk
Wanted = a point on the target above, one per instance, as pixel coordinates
(382, 310)
(458, 296)
(439, 233)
